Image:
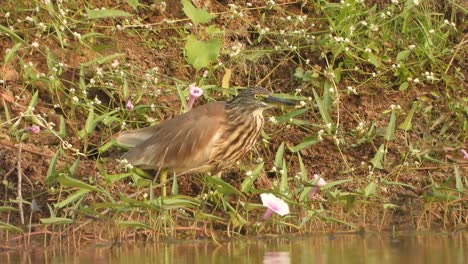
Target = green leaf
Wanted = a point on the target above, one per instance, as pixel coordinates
(51, 173)
(378, 158)
(374, 60)
(407, 124)
(389, 206)
(222, 186)
(202, 53)
(370, 189)
(9, 55)
(134, 4)
(304, 175)
(197, 15)
(284, 188)
(118, 177)
(134, 224)
(62, 131)
(74, 167)
(56, 221)
(286, 117)
(403, 86)
(279, 156)
(304, 145)
(106, 13)
(102, 60)
(72, 182)
(72, 198)
(8, 227)
(12, 34)
(322, 108)
(403, 55)
(90, 122)
(390, 134)
(7, 209)
(175, 185)
(334, 183)
(249, 180)
(33, 101)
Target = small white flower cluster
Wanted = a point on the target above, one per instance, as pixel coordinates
(360, 127)
(123, 163)
(429, 76)
(386, 14)
(395, 107)
(415, 80)
(448, 23)
(302, 18)
(351, 89)
(396, 66)
(263, 31)
(236, 10)
(341, 39)
(270, 4)
(115, 64)
(320, 134)
(273, 120)
(77, 35)
(236, 49)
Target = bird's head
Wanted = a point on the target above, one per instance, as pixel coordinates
(257, 98)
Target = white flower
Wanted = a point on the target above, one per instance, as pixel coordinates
(77, 35)
(395, 2)
(7, 14)
(35, 44)
(416, 2)
(416, 80)
(248, 173)
(411, 47)
(272, 119)
(303, 104)
(115, 64)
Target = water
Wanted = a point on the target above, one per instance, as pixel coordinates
(369, 248)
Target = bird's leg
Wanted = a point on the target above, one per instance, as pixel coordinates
(163, 179)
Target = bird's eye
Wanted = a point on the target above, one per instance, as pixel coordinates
(256, 96)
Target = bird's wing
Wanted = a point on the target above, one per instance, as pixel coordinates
(183, 143)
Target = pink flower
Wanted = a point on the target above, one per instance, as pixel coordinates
(274, 204)
(194, 93)
(321, 182)
(129, 105)
(465, 154)
(34, 129)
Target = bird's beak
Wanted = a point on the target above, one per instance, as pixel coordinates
(272, 100)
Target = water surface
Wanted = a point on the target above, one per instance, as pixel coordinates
(368, 248)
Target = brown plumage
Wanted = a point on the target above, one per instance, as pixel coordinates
(207, 138)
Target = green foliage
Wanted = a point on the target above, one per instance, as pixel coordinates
(198, 16)
(201, 53)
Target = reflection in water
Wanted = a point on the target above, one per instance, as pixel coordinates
(368, 248)
(276, 258)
